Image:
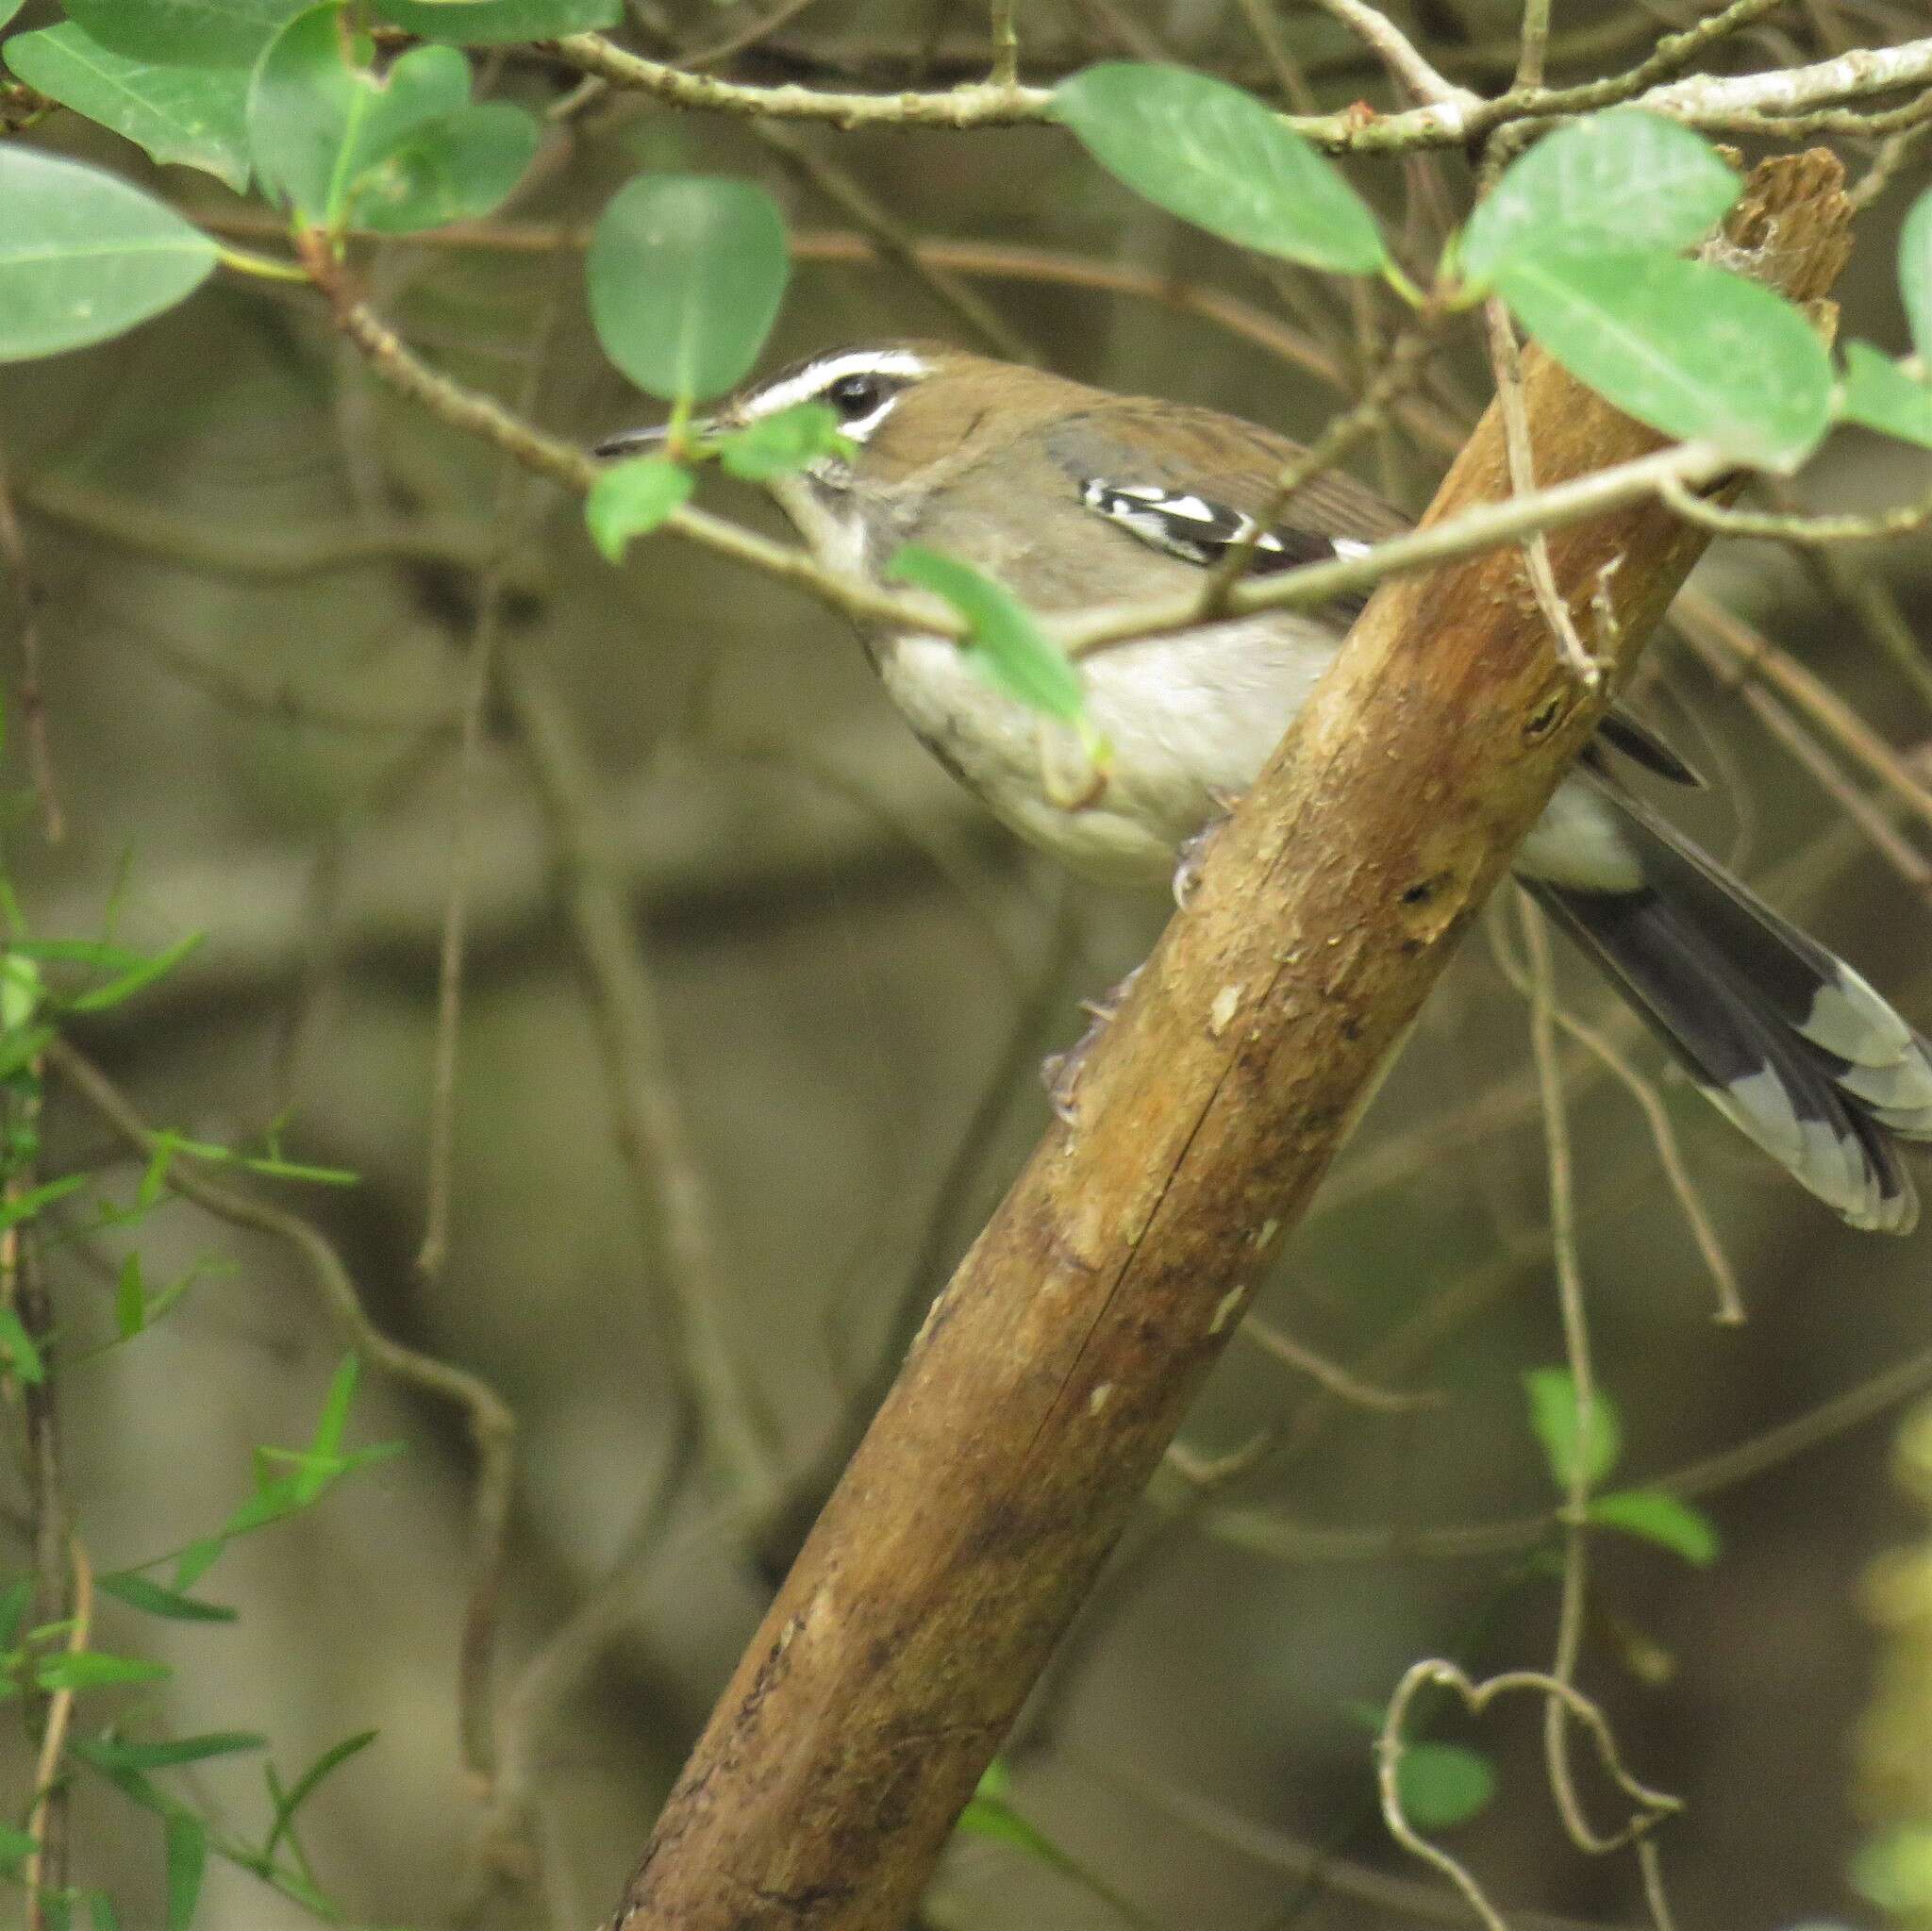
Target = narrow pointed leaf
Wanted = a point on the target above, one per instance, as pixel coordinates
(1693, 351)
(83, 255)
(187, 1840)
(1627, 179)
(1656, 1516)
(138, 1593)
(1218, 157)
(1005, 644)
(685, 273)
(196, 116)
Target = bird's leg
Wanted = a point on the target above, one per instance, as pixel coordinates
(1193, 852)
(1061, 1071)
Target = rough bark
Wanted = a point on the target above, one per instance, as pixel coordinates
(1056, 1368)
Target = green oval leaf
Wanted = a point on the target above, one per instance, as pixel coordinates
(632, 499)
(195, 116)
(1626, 178)
(1915, 273)
(457, 168)
(1218, 157)
(685, 274)
(1569, 1447)
(192, 33)
(1659, 1517)
(1004, 642)
(499, 22)
(1442, 1785)
(1878, 394)
(398, 152)
(1693, 351)
(84, 256)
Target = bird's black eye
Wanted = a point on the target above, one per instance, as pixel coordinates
(854, 396)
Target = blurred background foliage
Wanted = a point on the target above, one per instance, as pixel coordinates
(703, 1185)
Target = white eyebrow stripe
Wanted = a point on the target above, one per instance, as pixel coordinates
(816, 377)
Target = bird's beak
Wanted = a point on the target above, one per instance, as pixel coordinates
(633, 441)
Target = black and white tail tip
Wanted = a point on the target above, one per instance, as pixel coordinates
(1788, 1043)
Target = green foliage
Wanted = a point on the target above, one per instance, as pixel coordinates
(402, 151)
(1695, 352)
(1878, 394)
(631, 499)
(142, 1592)
(1004, 642)
(993, 1814)
(194, 115)
(685, 274)
(193, 33)
(1216, 156)
(1625, 179)
(84, 255)
(1442, 1785)
(1576, 1446)
(1894, 1870)
(776, 445)
(1915, 275)
(498, 23)
(1656, 1516)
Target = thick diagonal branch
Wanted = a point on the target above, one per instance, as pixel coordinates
(1056, 1368)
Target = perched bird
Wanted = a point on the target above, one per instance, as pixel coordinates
(1071, 496)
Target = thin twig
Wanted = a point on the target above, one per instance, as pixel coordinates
(44, 1869)
(668, 1184)
(1404, 62)
(1332, 1376)
(32, 696)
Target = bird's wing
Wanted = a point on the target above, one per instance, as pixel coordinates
(1193, 484)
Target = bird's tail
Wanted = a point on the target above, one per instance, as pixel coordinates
(1787, 1041)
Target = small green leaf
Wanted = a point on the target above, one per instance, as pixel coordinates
(186, 1837)
(1878, 394)
(138, 1593)
(84, 256)
(1216, 156)
(1693, 351)
(189, 33)
(1659, 1517)
(116, 1753)
(685, 273)
(1004, 642)
(499, 22)
(1915, 273)
(321, 121)
(1894, 1870)
(1442, 1785)
(18, 1354)
(776, 445)
(1627, 179)
(457, 168)
(632, 499)
(8, 9)
(16, 1847)
(101, 1912)
(93, 1670)
(1553, 1414)
(194, 115)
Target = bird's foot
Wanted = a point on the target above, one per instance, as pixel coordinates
(1194, 850)
(1061, 1071)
